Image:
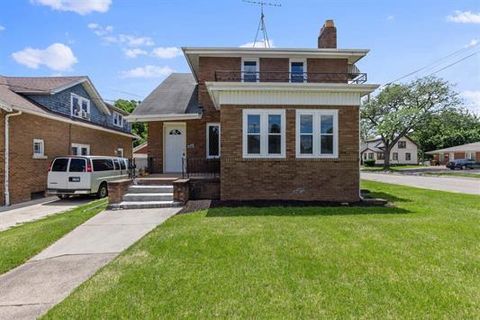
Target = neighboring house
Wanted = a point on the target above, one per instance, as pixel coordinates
(405, 151)
(45, 117)
(465, 151)
(140, 156)
(282, 123)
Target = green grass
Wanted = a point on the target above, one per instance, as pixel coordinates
(419, 259)
(20, 243)
(453, 174)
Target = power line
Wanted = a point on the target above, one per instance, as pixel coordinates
(454, 63)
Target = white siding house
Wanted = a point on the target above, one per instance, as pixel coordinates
(405, 151)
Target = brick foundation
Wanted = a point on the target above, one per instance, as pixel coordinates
(117, 189)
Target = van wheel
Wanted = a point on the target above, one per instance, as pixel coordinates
(102, 191)
(464, 167)
(63, 196)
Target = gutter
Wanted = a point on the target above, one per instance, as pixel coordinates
(7, 156)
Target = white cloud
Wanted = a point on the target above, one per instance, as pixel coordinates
(99, 30)
(472, 43)
(464, 17)
(147, 71)
(79, 6)
(57, 57)
(391, 18)
(166, 52)
(135, 52)
(133, 41)
(106, 34)
(259, 44)
(2, 28)
(472, 97)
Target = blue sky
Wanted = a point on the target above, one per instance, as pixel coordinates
(127, 47)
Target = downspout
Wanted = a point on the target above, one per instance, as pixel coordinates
(7, 156)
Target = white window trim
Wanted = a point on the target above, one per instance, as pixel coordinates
(213, 124)
(116, 152)
(257, 60)
(80, 99)
(119, 117)
(305, 74)
(42, 149)
(79, 145)
(317, 113)
(263, 133)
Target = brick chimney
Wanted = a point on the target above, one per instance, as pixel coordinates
(328, 35)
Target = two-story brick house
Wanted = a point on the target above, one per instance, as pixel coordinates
(283, 123)
(45, 117)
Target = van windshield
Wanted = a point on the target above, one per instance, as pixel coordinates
(60, 165)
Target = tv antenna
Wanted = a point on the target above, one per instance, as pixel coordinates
(261, 25)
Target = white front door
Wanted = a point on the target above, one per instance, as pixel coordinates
(174, 148)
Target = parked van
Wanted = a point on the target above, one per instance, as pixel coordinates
(75, 175)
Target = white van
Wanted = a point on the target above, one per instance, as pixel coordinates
(75, 175)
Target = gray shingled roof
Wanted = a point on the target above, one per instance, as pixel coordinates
(469, 147)
(178, 94)
(40, 85)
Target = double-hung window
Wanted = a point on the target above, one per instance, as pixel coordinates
(402, 144)
(117, 119)
(80, 106)
(213, 140)
(263, 133)
(317, 134)
(297, 70)
(80, 149)
(250, 70)
(38, 149)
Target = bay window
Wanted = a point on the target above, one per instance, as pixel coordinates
(317, 134)
(263, 133)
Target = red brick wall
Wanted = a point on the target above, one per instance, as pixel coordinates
(459, 155)
(28, 175)
(327, 70)
(2, 159)
(274, 69)
(290, 178)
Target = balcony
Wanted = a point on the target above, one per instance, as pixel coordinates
(289, 77)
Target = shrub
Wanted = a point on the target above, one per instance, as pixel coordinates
(369, 163)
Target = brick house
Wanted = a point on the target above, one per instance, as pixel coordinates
(405, 151)
(283, 124)
(45, 117)
(464, 151)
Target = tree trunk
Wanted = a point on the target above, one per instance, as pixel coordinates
(386, 159)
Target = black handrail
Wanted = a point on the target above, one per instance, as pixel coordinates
(292, 77)
(200, 167)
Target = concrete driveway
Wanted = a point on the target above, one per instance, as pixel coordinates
(31, 289)
(34, 210)
(451, 184)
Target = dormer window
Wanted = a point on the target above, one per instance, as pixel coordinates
(250, 70)
(80, 106)
(117, 119)
(297, 70)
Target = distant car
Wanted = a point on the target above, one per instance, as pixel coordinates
(463, 164)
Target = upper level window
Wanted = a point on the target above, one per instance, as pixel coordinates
(117, 119)
(402, 144)
(80, 149)
(213, 140)
(250, 70)
(263, 133)
(317, 134)
(80, 106)
(297, 70)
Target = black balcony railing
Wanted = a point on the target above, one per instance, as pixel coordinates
(200, 167)
(292, 77)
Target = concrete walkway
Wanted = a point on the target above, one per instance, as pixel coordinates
(31, 289)
(451, 184)
(37, 209)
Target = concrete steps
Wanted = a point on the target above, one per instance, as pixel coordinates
(149, 193)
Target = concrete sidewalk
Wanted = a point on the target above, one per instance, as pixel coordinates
(31, 289)
(37, 209)
(451, 184)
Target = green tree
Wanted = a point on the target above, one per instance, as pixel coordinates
(451, 127)
(400, 109)
(138, 128)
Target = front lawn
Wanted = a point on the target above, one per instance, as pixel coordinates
(420, 259)
(20, 243)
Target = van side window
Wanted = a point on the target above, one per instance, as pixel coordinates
(102, 164)
(117, 164)
(60, 165)
(122, 165)
(77, 165)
